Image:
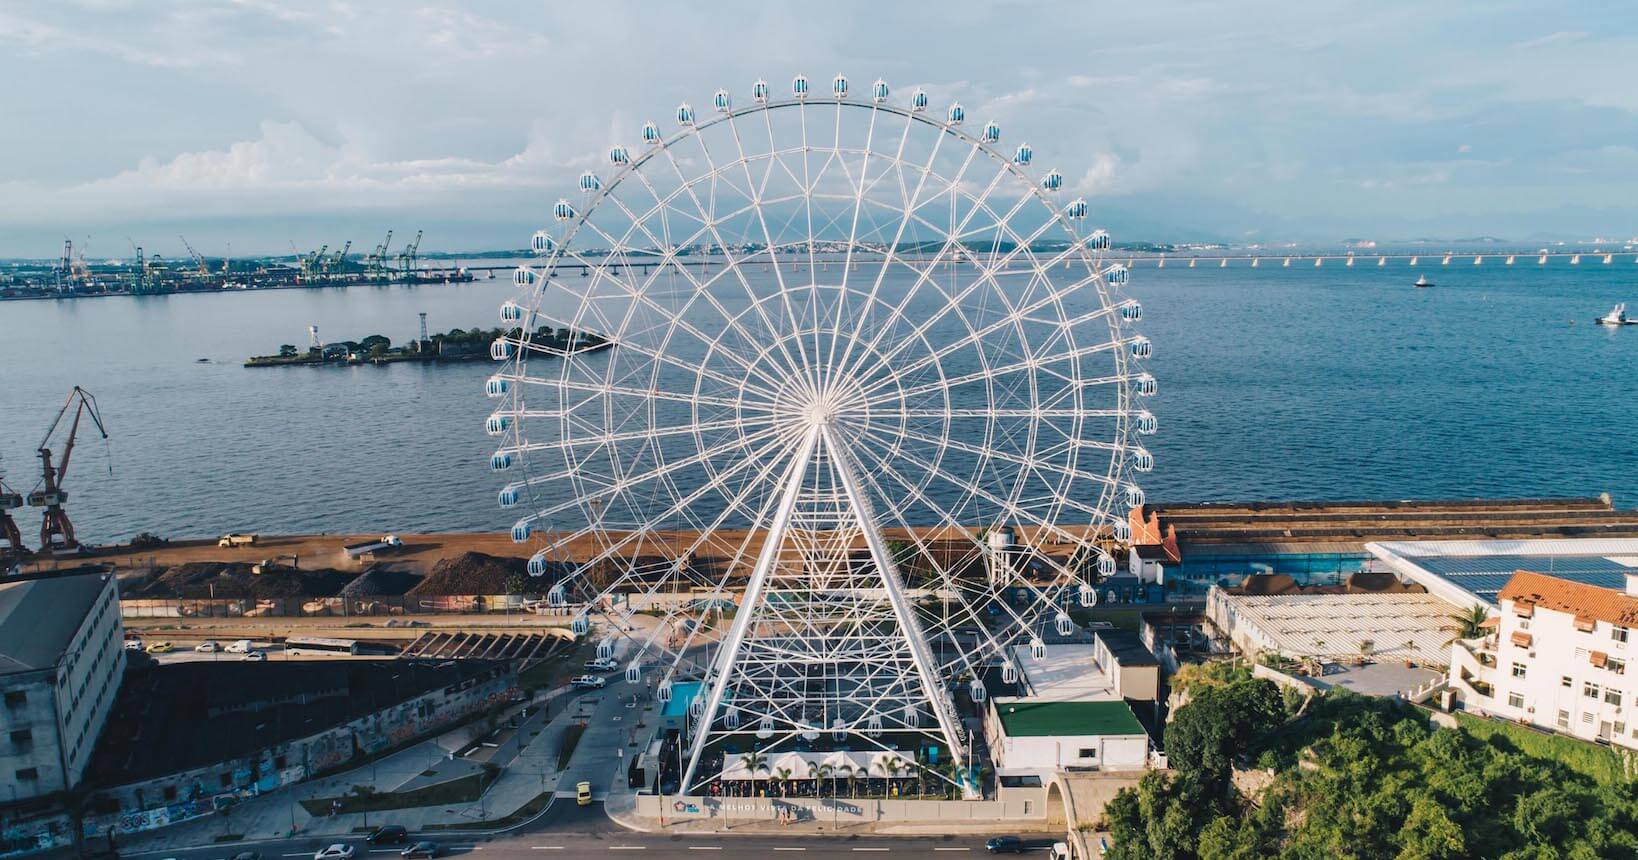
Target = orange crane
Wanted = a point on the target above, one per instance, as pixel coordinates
(13, 548)
(56, 532)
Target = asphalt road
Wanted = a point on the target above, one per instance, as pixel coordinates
(566, 830)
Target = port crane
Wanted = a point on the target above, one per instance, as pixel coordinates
(376, 263)
(407, 257)
(198, 258)
(338, 263)
(10, 500)
(56, 532)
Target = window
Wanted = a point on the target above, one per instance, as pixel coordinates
(1564, 719)
(1566, 682)
(1587, 718)
(1518, 670)
(28, 774)
(1619, 634)
(22, 736)
(227, 780)
(1619, 667)
(1620, 728)
(1612, 696)
(1580, 653)
(170, 790)
(1590, 690)
(16, 698)
(1515, 700)
(1089, 752)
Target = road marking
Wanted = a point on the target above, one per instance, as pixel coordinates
(705, 847)
(870, 849)
(790, 849)
(628, 847)
(952, 849)
(546, 847)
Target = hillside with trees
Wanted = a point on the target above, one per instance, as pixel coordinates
(1258, 774)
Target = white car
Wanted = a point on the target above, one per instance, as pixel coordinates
(255, 656)
(588, 682)
(602, 665)
(133, 644)
(337, 851)
(207, 647)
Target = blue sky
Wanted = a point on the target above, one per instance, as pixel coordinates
(253, 123)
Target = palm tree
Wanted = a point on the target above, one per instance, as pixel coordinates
(851, 773)
(1468, 624)
(781, 776)
(754, 761)
(826, 772)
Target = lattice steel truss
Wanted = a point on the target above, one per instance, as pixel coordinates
(825, 403)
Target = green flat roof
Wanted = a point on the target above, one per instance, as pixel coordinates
(1044, 719)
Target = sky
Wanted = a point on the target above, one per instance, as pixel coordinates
(249, 125)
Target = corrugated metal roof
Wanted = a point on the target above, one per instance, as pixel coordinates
(38, 618)
(1334, 625)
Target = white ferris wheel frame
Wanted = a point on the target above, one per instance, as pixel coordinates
(815, 437)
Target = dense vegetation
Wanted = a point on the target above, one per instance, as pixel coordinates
(1356, 777)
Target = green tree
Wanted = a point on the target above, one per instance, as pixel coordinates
(1468, 624)
(287, 350)
(1219, 723)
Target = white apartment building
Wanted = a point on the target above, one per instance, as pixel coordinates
(62, 655)
(1560, 655)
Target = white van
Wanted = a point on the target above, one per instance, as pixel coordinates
(243, 646)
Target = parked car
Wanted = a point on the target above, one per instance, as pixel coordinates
(207, 647)
(338, 851)
(387, 834)
(160, 648)
(427, 850)
(602, 664)
(133, 644)
(582, 793)
(588, 682)
(255, 656)
(1005, 845)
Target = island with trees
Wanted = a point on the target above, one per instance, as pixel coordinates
(455, 345)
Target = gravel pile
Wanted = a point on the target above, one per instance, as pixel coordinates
(470, 573)
(380, 581)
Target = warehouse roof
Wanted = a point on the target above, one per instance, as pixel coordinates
(39, 616)
(1026, 718)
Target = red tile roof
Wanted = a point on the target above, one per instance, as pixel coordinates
(1573, 598)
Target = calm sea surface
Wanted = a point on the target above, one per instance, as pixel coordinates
(1275, 383)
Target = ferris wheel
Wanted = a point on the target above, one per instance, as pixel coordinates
(819, 409)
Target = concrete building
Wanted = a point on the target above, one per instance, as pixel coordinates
(62, 655)
(1191, 547)
(1133, 670)
(1027, 736)
(1471, 572)
(1559, 655)
(1334, 627)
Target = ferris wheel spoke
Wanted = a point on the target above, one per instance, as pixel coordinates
(623, 483)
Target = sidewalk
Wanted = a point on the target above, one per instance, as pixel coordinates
(527, 757)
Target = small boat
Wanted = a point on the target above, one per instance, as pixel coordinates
(1616, 316)
(1422, 281)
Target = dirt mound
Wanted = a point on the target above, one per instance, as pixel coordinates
(470, 573)
(381, 582)
(205, 580)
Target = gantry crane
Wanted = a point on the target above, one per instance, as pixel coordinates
(376, 263)
(198, 258)
(406, 257)
(338, 263)
(56, 532)
(13, 549)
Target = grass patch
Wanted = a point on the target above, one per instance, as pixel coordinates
(1600, 764)
(566, 745)
(555, 670)
(524, 813)
(1120, 617)
(466, 789)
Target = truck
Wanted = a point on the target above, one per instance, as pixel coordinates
(369, 547)
(237, 539)
(243, 646)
